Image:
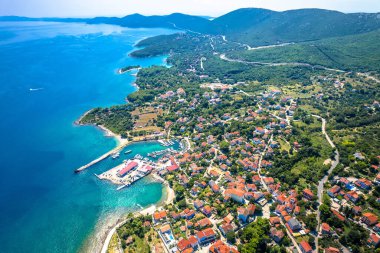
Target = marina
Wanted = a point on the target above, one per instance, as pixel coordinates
(116, 153)
(162, 152)
(166, 143)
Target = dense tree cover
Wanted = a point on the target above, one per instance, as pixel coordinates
(134, 227)
(232, 72)
(118, 119)
(254, 237)
(127, 68)
(165, 44)
(263, 27)
(291, 168)
(355, 237)
(355, 52)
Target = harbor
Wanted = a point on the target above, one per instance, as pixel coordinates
(166, 143)
(101, 158)
(128, 172)
(135, 167)
(115, 153)
(155, 154)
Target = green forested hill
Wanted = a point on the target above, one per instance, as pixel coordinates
(251, 25)
(262, 27)
(354, 52)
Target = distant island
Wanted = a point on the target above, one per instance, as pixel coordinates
(128, 68)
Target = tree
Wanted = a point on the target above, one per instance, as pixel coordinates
(254, 237)
(224, 146)
(231, 237)
(325, 211)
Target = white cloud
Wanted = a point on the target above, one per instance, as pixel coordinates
(80, 8)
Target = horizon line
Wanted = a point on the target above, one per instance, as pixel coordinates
(171, 13)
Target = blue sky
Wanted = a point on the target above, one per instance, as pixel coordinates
(89, 8)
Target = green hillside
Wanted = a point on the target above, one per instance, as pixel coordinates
(260, 27)
(355, 52)
(252, 26)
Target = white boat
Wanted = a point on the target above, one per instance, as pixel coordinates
(115, 155)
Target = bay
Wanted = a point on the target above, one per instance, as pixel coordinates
(50, 74)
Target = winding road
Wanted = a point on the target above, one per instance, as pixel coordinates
(275, 64)
(324, 179)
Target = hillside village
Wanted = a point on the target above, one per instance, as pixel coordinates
(276, 158)
(225, 184)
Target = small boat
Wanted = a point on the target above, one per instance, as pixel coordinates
(116, 155)
(128, 152)
(122, 186)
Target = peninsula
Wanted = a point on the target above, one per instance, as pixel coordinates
(128, 68)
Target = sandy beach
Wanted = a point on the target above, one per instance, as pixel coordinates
(109, 133)
(168, 198)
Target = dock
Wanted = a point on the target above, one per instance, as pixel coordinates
(101, 158)
(154, 154)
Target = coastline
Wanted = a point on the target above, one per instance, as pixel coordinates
(167, 198)
(109, 133)
(103, 236)
(121, 71)
(107, 226)
(106, 131)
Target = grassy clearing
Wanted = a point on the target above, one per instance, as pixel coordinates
(114, 244)
(284, 146)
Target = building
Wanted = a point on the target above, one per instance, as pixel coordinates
(276, 235)
(326, 230)
(308, 194)
(305, 247)
(331, 250)
(235, 194)
(185, 244)
(159, 216)
(373, 240)
(225, 228)
(370, 219)
(364, 184)
(245, 212)
(214, 187)
(205, 222)
(221, 247)
(294, 225)
(206, 210)
(353, 196)
(128, 168)
(205, 236)
(333, 191)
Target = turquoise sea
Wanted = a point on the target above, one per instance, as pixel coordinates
(51, 73)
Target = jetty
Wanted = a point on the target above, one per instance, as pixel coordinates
(101, 158)
(166, 143)
(162, 152)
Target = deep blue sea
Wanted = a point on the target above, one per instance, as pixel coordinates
(51, 73)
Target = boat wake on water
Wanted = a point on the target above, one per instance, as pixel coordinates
(35, 89)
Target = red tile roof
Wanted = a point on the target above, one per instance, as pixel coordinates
(306, 246)
(127, 168)
(221, 247)
(208, 232)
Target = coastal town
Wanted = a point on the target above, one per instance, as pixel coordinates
(273, 157)
(190, 126)
(225, 184)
